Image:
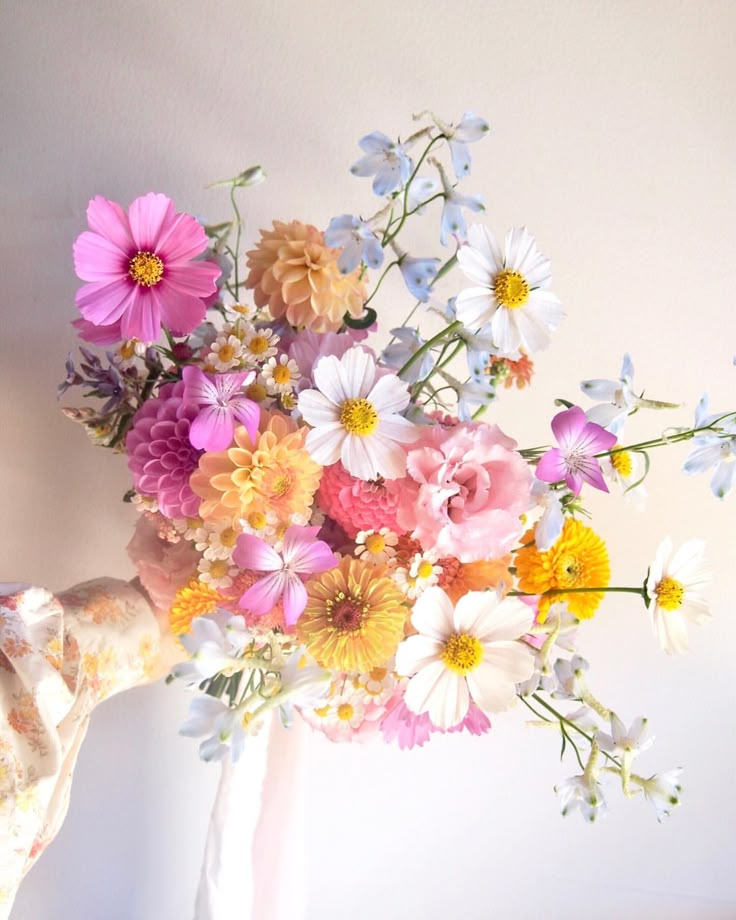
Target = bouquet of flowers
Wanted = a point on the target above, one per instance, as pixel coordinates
(348, 537)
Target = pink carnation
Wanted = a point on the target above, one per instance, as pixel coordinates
(160, 455)
(357, 504)
(162, 567)
(465, 491)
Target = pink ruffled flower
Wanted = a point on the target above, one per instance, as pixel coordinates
(357, 504)
(412, 730)
(219, 403)
(162, 567)
(160, 455)
(465, 491)
(574, 460)
(140, 270)
(302, 555)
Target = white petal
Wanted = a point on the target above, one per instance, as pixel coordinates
(389, 395)
(318, 409)
(328, 379)
(416, 653)
(475, 266)
(433, 614)
(422, 686)
(325, 443)
(358, 371)
(485, 242)
(449, 703)
(474, 307)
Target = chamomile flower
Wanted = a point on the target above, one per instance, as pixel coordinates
(625, 468)
(217, 573)
(242, 311)
(259, 345)
(511, 290)
(378, 684)
(377, 546)
(226, 352)
(675, 588)
(281, 374)
(260, 523)
(420, 575)
(221, 541)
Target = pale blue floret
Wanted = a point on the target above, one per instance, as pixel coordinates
(384, 159)
(357, 241)
(419, 275)
(453, 219)
(397, 354)
(471, 128)
(712, 450)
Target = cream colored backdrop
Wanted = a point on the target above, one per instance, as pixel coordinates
(613, 140)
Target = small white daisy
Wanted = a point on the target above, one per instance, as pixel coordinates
(218, 573)
(261, 524)
(624, 467)
(675, 587)
(259, 345)
(144, 503)
(378, 684)
(242, 311)
(511, 290)
(280, 374)
(222, 541)
(420, 575)
(356, 418)
(378, 547)
(226, 352)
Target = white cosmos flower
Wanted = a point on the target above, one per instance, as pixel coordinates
(469, 652)
(355, 418)
(675, 586)
(511, 290)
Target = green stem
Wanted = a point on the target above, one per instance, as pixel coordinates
(430, 343)
(380, 280)
(390, 234)
(562, 720)
(549, 591)
(239, 229)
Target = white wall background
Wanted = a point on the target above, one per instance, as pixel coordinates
(613, 139)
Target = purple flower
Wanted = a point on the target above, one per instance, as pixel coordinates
(219, 402)
(574, 460)
(302, 555)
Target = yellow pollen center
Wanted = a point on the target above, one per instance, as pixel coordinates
(281, 485)
(622, 463)
(375, 543)
(345, 712)
(256, 392)
(569, 571)
(228, 537)
(322, 711)
(281, 374)
(511, 289)
(358, 416)
(258, 345)
(127, 350)
(669, 593)
(146, 268)
(425, 569)
(256, 520)
(219, 568)
(378, 674)
(462, 654)
(226, 352)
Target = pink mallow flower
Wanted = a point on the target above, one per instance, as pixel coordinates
(574, 460)
(140, 270)
(301, 556)
(465, 491)
(220, 402)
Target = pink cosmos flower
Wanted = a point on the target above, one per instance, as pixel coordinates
(574, 460)
(140, 270)
(220, 402)
(97, 335)
(301, 556)
(464, 493)
(412, 730)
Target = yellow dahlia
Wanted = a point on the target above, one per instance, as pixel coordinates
(295, 275)
(276, 475)
(354, 618)
(193, 600)
(579, 559)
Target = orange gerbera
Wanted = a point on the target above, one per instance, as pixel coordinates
(354, 618)
(578, 559)
(276, 474)
(295, 275)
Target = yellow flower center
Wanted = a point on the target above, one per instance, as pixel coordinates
(256, 392)
(670, 593)
(228, 537)
(146, 268)
(622, 463)
(462, 654)
(346, 612)
(511, 289)
(258, 345)
(256, 520)
(378, 674)
(425, 569)
(226, 352)
(127, 349)
(281, 374)
(569, 571)
(281, 485)
(219, 568)
(375, 543)
(322, 711)
(358, 416)
(345, 712)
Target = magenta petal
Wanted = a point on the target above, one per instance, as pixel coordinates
(594, 439)
(97, 335)
(264, 594)
(142, 319)
(197, 279)
(212, 429)
(98, 259)
(102, 302)
(199, 387)
(574, 482)
(109, 220)
(567, 426)
(294, 599)
(182, 240)
(181, 313)
(253, 553)
(591, 473)
(227, 385)
(551, 466)
(248, 413)
(315, 558)
(148, 217)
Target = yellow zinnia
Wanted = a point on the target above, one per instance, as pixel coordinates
(354, 618)
(579, 559)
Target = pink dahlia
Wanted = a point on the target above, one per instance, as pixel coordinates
(140, 270)
(357, 504)
(464, 493)
(160, 454)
